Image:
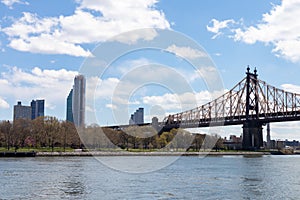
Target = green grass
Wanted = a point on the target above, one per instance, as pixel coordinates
(46, 149)
(141, 150)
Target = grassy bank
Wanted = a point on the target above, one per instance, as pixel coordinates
(55, 149)
(59, 151)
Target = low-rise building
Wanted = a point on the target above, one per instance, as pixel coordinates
(234, 143)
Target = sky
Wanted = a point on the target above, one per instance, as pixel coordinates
(44, 44)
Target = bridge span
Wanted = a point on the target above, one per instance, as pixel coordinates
(251, 103)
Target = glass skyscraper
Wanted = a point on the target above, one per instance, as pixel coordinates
(37, 108)
(69, 107)
(76, 102)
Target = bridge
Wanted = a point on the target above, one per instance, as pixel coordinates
(251, 103)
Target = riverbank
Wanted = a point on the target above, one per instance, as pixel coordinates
(141, 153)
(157, 153)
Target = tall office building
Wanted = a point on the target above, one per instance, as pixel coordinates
(76, 98)
(69, 107)
(22, 112)
(137, 117)
(37, 108)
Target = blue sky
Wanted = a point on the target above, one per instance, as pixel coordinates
(44, 44)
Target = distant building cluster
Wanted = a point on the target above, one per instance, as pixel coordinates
(233, 143)
(137, 117)
(280, 144)
(35, 110)
(75, 112)
(75, 105)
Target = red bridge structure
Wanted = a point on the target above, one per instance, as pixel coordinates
(251, 103)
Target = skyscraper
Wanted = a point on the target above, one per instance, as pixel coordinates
(137, 117)
(22, 112)
(37, 108)
(69, 107)
(76, 98)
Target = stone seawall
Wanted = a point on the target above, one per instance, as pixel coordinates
(156, 153)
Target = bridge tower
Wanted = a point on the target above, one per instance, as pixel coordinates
(252, 127)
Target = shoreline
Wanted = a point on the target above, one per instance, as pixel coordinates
(125, 153)
(129, 153)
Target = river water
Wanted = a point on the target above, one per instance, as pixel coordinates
(219, 177)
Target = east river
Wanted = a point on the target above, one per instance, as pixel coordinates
(190, 177)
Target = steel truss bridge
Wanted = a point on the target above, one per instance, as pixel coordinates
(251, 103)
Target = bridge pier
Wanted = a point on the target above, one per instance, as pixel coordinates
(252, 135)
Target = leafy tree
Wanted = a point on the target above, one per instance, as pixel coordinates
(183, 139)
(198, 141)
(5, 130)
(38, 132)
(52, 128)
(20, 130)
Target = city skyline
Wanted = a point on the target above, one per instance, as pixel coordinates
(43, 46)
(149, 99)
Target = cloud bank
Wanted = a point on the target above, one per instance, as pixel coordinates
(279, 27)
(93, 21)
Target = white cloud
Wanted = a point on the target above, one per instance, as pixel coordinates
(186, 52)
(132, 37)
(134, 12)
(111, 106)
(181, 102)
(206, 71)
(32, 34)
(3, 104)
(218, 25)
(53, 46)
(100, 88)
(288, 49)
(285, 130)
(129, 65)
(52, 85)
(280, 24)
(280, 27)
(291, 88)
(93, 21)
(10, 3)
(167, 101)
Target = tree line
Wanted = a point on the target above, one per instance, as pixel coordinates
(49, 132)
